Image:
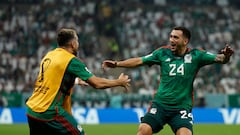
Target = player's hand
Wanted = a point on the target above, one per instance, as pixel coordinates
(125, 81)
(80, 82)
(227, 51)
(109, 64)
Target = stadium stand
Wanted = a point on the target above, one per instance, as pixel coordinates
(115, 29)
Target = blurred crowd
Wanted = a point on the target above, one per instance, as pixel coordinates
(115, 29)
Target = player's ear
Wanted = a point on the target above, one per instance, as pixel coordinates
(71, 44)
(185, 40)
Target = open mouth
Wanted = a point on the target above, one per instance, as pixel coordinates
(173, 46)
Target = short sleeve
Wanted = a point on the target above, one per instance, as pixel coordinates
(207, 58)
(153, 58)
(79, 69)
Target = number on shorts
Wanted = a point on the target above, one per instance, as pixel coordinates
(185, 115)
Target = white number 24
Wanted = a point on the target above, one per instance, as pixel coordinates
(174, 69)
(185, 115)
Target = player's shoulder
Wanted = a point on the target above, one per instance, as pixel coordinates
(200, 49)
(76, 60)
(79, 59)
(164, 47)
(196, 50)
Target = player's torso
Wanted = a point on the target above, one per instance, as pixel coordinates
(177, 76)
(179, 66)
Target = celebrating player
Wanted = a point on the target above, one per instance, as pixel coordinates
(49, 107)
(172, 104)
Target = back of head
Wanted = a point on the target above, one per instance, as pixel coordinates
(64, 36)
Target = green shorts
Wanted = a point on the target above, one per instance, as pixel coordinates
(157, 117)
(63, 124)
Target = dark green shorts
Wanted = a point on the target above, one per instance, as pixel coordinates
(157, 117)
(63, 124)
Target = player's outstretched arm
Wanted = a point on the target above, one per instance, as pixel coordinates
(128, 63)
(102, 83)
(224, 55)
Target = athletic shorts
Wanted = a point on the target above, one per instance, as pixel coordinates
(63, 124)
(157, 117)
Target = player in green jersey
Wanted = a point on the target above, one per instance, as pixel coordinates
(172, 104)
(49, 107)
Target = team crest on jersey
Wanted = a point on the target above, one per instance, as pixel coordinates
(188, 58)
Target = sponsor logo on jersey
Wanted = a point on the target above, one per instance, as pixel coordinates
(80, 128)
(168, 60)
(153, 110)
(191, 122)
(210, 53)
(88, 70)
(149, 55)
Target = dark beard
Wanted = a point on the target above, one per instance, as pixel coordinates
(75, 53)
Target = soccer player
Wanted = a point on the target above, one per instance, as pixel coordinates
(49, 107)
(173, 102)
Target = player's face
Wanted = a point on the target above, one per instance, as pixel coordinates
(177, 41)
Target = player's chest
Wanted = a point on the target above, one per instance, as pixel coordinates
(178, 65)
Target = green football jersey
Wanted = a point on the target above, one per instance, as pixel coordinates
(177, 75)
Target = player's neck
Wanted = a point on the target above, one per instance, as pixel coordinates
(181, 51)
(67, 49)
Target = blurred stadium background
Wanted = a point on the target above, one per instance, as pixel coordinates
(118, 29)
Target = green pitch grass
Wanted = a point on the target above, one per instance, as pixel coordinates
(130, 129)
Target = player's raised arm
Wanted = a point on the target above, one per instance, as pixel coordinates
(128, 63)
(224, 55)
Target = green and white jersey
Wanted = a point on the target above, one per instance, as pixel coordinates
(177, 75)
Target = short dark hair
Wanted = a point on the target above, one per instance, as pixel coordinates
(185, 31)
(64, 36)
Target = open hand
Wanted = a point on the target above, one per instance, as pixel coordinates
(109, 64)
(227, 51)
(80, 82)
(125, 81)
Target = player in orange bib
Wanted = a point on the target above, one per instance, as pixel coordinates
(49, 107)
